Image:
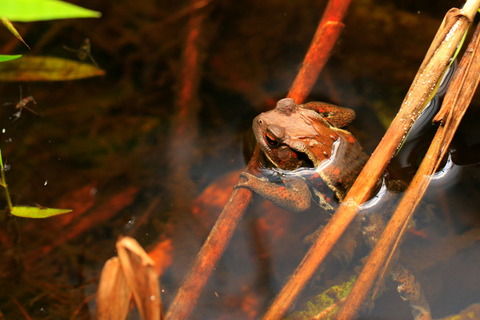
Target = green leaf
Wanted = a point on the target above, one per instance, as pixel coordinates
(47, 69)
(37, 212)
(9, 25)
(4, 57)
(326, 303)
(34, 10)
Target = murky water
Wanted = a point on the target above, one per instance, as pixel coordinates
(118, 150)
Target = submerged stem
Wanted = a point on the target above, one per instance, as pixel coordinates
(5, 185)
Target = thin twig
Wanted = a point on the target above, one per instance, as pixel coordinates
(22, 309)
(225, 225)
(454, 106)
(414, 102)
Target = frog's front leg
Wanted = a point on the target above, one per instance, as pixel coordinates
(293, 195)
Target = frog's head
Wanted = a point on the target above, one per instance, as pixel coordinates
(289, 136)
(292, 136)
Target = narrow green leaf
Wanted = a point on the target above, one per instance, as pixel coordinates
(4, 183)
(14, 31)
(36, 212)
(34, 10)
(47, 69)
(4, 57)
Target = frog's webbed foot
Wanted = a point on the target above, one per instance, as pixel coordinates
(411, 292)
(293, 195)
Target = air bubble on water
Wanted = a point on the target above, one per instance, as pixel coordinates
(132, 221)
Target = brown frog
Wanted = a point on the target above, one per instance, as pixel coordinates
(308, 157)
(311, 158)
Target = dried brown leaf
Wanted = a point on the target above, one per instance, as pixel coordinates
(138, 269)
(113, 292)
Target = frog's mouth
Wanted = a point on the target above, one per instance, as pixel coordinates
(283, 155)
(271, 140)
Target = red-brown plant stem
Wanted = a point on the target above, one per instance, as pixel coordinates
(325, 37)
(443, 47)
(219, 237)
(211, 251)
(454, 107)
(183, 136)
(184, 130)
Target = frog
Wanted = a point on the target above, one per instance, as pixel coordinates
(307, 156)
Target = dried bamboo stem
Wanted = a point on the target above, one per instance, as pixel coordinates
(220, 235)
(442, 49)
(454, 106)
(325, 37)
